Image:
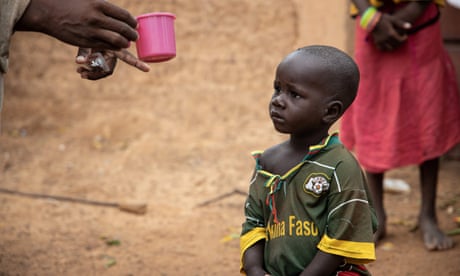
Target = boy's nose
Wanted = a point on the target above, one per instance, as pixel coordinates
(277, 100)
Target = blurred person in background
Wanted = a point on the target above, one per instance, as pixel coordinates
(407, 111)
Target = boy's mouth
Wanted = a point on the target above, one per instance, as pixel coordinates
(275, 116)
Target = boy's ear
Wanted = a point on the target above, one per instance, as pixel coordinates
(333, 111)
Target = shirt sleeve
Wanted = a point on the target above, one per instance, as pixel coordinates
(351, 220)
(254, 224)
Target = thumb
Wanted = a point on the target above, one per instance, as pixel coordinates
(82, 55)
(403, 25)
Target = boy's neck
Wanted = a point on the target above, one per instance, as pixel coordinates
(303, 143)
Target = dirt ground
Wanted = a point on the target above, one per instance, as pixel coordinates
(178, 139)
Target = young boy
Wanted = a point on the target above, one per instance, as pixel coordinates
(308, 209)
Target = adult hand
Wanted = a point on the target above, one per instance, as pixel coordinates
(96, 24)
(96, 65)
(390, 32)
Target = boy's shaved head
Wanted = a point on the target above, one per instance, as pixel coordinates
(342, 73)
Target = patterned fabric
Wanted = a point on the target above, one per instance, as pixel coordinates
(408, 106)
(320, 204)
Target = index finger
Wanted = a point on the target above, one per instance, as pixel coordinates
(130, 59)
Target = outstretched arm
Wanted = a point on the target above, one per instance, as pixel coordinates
(85, 23)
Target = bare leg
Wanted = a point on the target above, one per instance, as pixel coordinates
(433, 237)
(375, 181)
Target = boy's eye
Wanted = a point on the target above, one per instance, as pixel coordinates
(294, 94)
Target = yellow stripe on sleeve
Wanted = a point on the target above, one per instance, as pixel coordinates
(249, 239)
(354, 252)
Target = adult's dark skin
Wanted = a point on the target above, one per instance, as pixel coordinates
(96, 24)
(111, 61)
(400, 22)
(391, 31)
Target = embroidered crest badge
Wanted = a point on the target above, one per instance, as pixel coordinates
(316, 184)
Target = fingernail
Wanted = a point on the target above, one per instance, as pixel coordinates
(80, 59)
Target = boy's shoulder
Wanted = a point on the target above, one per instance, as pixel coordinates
(338, 156)
(336, 152)
(273, 151)
(270, 154)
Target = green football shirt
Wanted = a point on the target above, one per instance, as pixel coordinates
(320, 204)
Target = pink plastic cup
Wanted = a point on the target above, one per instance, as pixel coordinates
(157, 40)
